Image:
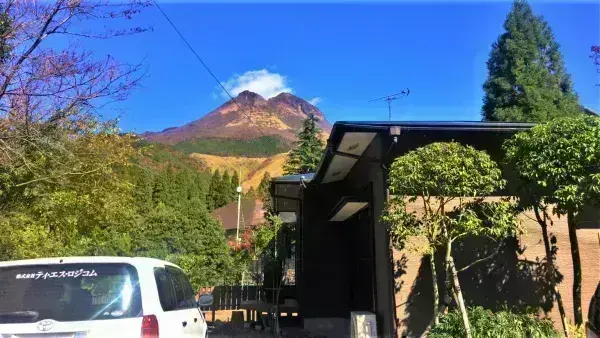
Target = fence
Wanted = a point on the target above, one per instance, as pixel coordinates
(230, 297)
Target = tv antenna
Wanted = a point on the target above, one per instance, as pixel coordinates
(390, 98)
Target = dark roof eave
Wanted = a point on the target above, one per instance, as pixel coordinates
(435, 125)
(292, 178)
(342, 127)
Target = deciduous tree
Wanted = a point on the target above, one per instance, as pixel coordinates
(557, 163)
(450, 181)
(595, 56)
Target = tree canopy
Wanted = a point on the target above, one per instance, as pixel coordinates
(527, 79)
(71, 183)
(450, 181)
(558, 167)
(308, 150)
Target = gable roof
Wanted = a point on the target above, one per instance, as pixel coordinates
(251, 214)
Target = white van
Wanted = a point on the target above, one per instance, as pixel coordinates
(89, 297)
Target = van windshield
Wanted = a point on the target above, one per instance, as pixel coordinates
(69, 292)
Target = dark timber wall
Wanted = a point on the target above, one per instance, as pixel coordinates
(347, 265)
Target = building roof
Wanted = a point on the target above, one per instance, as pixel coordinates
(349, 141)
(293, 178)
(251, 214)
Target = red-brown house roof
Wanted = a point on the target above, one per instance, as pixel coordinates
(251, 214)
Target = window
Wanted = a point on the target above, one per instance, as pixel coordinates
(183, 289)
(68, 292)
(165, 289)
(174, 289)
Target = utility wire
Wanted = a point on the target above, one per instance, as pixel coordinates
(210, 72)
(214, 77)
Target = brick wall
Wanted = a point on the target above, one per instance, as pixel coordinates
(515, 278)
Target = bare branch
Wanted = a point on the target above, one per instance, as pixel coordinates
(490, 256)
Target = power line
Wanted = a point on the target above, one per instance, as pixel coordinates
(210, 72)
(214, 77)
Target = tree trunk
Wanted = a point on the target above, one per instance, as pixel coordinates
(436, 292)
(456, 290)
(552, 276)
(576, 269)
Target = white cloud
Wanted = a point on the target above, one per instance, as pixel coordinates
(315, 101)
(261, 81)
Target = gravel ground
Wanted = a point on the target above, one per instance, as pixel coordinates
(227, 330)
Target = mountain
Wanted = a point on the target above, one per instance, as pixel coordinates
(253, 169)
(280, 116)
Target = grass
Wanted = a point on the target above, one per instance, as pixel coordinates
(263, 146)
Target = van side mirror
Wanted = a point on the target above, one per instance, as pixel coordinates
(205, 300)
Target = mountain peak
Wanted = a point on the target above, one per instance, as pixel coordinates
(281, 116)
(284, 94)
(247, 95)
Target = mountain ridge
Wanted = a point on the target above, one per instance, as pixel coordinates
(281, 115)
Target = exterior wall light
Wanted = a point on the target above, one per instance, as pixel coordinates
(346, 208)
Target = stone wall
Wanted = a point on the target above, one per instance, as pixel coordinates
(515, 278)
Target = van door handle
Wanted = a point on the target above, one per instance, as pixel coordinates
(195, 320)
(184, 324)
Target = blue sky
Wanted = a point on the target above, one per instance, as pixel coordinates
(340, 54)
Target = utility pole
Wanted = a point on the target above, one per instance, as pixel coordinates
(237, 235)
(390, 98)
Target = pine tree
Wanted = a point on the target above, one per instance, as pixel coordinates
(226, 182)
(235, 182)
(251, 194)
(264, 194)
(306, 155)
(527, 80)
(163, 188)
(263, 187)
(216, 192)
(143, 182)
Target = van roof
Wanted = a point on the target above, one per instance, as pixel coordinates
(135, 261)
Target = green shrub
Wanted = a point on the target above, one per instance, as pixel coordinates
(486, 324)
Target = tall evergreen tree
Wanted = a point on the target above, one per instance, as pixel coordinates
(226, 182)
(235, 182)
(162, 188)
(263, 192)
(306, 155)
(251, 194)
(143, 181)
(263, 187)
(216, 192)
(527, 80)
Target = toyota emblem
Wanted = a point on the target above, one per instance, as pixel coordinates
(45, 325)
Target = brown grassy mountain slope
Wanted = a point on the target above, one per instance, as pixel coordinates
(273, 165)
(229, 163)
(253, 169)
(281, 115)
